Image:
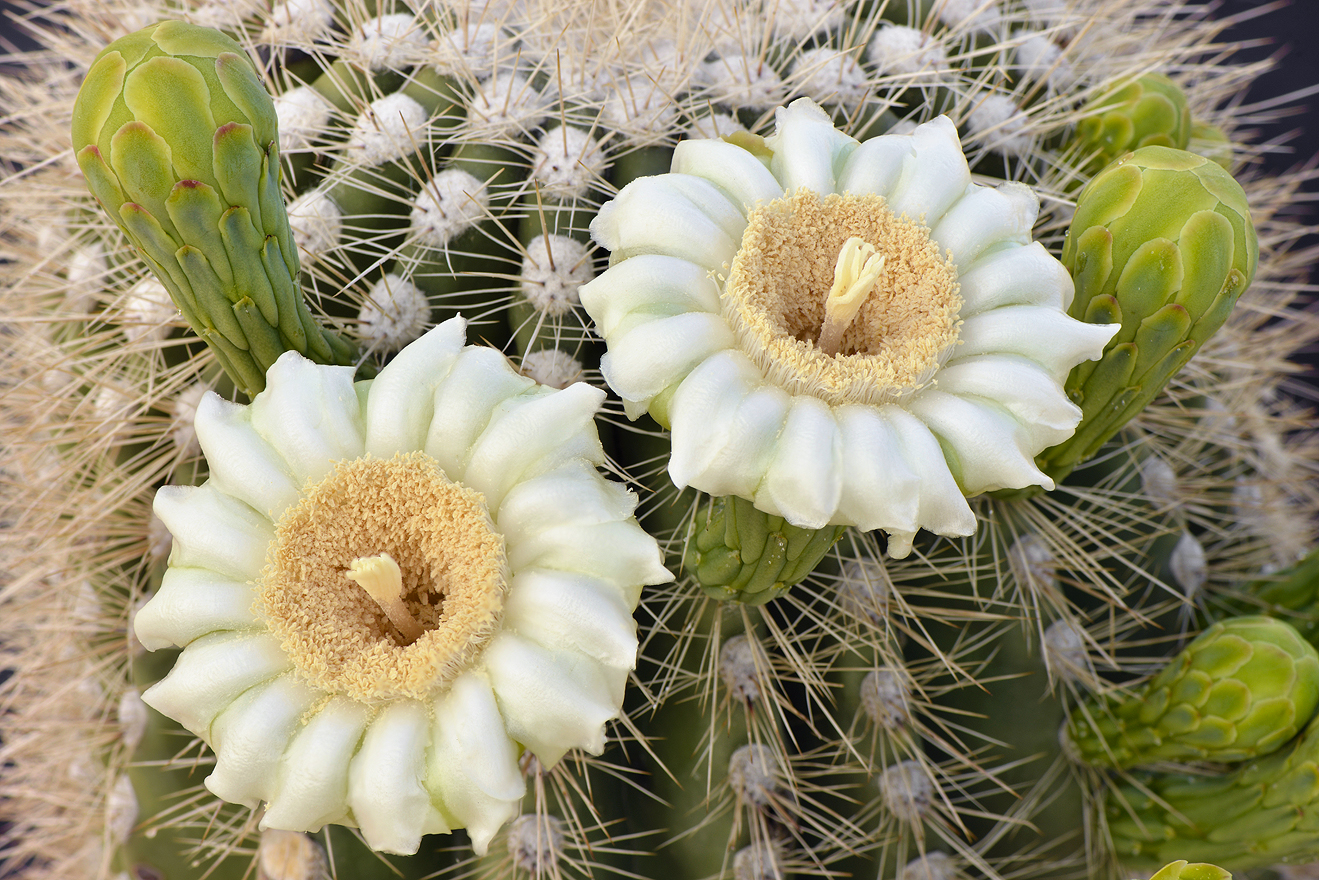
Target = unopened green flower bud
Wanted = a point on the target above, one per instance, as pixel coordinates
(1291, 594)
(742, 554)
(1183, 870)
(178, 141)
(1264, 813)
(1150, 111)
(1162, 243)
(1242, 689)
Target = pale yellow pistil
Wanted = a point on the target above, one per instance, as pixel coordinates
(855, 274)
(382, 579)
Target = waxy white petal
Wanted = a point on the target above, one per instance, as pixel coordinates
(1023, 388)
(401, 404)
(985, 218)
(654, 355)
(191, 603)
(992, 448)
(875, 166)
(309, 413)
(1047, 336)
(1014, 276)
(734, 170)
(311, 784)
(385, 793)
(213, 530)
(251, 735)
(645, 287)
(713, 389)
(943, 509)
(616, 551)
(934, 176)
(571, 494)
(808, 151)
(479, 381)
(736, 449)
(242, 463)
(880, 490)
(645, 219)
(555, 609)
(804, 482)
(211, 673)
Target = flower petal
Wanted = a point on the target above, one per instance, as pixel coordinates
(645, 287)
(211, 673)
(703, 413)
(385, 793)
(311, 784)
(557, 610)
(571, 494)
(191, 603)
(934, 176)
(1027, 275)
(242, 463)
(985, 217)
(875, 166)
(804, 482)
(310, 415)
(881, 491)
(1025, 389)
(551, 701)
(1045, 335)
(401, 404)
(652, 356)
(528, 435)
(993, 450)
(479, 381)
(213, 530)
(251, 735)
(621, 552)
(472, 762)
(651, 218)
(808, 151)
(943, 508)
(729, 167)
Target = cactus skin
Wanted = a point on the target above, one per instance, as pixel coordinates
(1265, 812)
(741, 554)
(1240, 690)
(179, 142)
(1162, 241)
(1151, 111)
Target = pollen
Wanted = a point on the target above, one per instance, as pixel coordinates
(451, 578)
(779, 287)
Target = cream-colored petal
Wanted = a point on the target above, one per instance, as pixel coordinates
(241, 462)
(191, 603)
(808, 151)
(645, 218)
(551, 701)
(251, 735)
(935, 176)
(385, 792)
(985, 218)
(701, 414)
(1027, 275)
(311, 784)
(645, 287)
(805, 479)
(654, 355)
(943, 509)
(214, 530)
(1043, 334)
(572, 494)
(479, 381)
(309, 414)
(880, 490)
(621, 552)
(402, 402)
(876, 165)
(211, 673)
(557, 610)
(738, 444)
(731, 168)
(526, 433)
(1025, 389)
(993, 450)
(472, 763)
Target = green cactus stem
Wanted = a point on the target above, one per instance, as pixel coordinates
(1149, 111)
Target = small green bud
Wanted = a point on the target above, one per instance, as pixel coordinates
(1150, 111)
(742, 554)
(179, 142)
(1182, 870)
(1241, 690)
(1162, 242)
(1291, 594)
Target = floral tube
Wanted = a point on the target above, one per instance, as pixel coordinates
(387, 590)
(844, 333)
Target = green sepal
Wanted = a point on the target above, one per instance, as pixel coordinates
(96, 97)
(274, 214)
(249, 95)
(214, 308)
(288, 299)
(1157, 336)
(318, 349)
(238, 168)
(100, 179)
(249, 377)
(141, 162)
(243, 243)
(171, 96)
(147, 233)
(263, 341)
(195, 210)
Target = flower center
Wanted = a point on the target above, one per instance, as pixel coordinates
(385, 580)
(838, 297)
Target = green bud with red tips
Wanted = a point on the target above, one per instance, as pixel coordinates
(1149, 111)
(1161, 242)
(178, 141)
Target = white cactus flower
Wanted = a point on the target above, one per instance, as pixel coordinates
(922, 378)
(387, 590)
